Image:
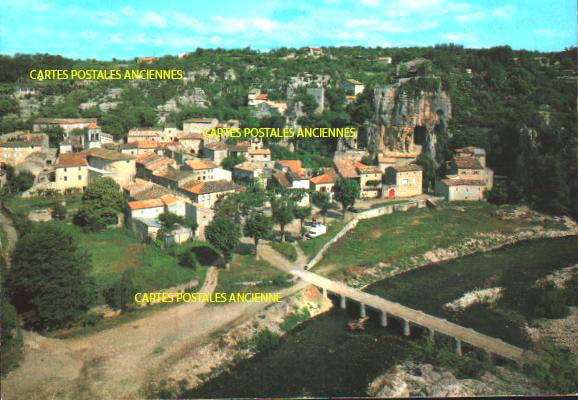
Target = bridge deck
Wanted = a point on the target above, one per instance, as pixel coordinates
(466, 335)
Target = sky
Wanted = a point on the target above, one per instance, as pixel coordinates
(109, 29)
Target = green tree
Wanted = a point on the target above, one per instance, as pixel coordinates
(121, 295)
(229, 162)
(189, 260)
(101, 203)
(49, 279)
(346, 191)
(323, 201)
(58, 212)
(301, 213)
(169, 220)
(21, 182)
(258, 226)
(283, 213)
(224, 234)
(498, 194)
(429, 171)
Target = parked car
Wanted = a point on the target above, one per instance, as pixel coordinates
(317, 230)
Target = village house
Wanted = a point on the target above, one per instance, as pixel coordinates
(249, 174)
(292, 181)
(148, 134)
(149, 164)
(319, 95)
(388, 159)
(71, 172)
(103, 162)
(260, 156)
(67, 124)
(368, 177)
(173, 178)
(314, 51)
(255, 97)
(468, 177)
(177, 152)
(192, 142)
(216, 151)
(18, 149)
(352, 86)
(152, 208)
(403, 181)
(200, 125)
(208, 193)
(324, 182)
(461, 189)
(202, 216)
(470, 163)
(202, 170)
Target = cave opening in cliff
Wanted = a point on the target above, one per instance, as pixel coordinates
(419, 135)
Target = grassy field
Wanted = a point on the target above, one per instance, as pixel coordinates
(246, 269)
(286, 249)
(116, 250)
(395, 236)
(311, 246)
(19, 205)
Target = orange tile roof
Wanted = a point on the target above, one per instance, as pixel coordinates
(293, 165)
(261, 152)
(69, 160)
(197, 165)
(262, 96)
(147, 144)
(322, 179)
(142, 204)
(64, 121)
(346, 168)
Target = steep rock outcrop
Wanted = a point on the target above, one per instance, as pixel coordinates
(405, 110)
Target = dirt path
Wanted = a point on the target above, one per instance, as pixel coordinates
(119, 362)
(7, 226)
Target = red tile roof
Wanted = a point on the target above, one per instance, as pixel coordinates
(292, 165)
(69, 160)
(465, 162)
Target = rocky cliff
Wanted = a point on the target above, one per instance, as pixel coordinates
(406, 114)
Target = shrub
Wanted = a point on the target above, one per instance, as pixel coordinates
(556, 369)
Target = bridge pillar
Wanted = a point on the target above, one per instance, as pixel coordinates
(383, 319)
(458, 347)
(432, 335)
(362, 313)
(324, 292)
(342, 303)
(406, 330)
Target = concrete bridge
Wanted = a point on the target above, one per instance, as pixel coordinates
(409, 316)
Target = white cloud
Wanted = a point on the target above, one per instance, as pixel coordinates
(393, 26)
(229, 25)
(154, 19)
(503, 12)
(549, 33)
(264, 24)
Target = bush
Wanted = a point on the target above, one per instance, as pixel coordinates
(205, 255)
(498, 195)
(189, 260)
(556, 369)
(548, 301)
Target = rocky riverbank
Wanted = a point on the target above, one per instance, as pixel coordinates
(421, 380)
(226, 350)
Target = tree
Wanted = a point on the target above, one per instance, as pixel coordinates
(346, 191)
(169, 220)
(257, 226)
(224, 234)
(121, 295)
(49, 279)
(189, 260)
(58, 212)
(498, 194)
(101, 203)
(283, 213)
(229, 162)
(301, 213)
(429, 170)
(323, 201)
(21, 182)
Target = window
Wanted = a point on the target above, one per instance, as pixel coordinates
(79, 177)
(65, 178)
(405, 181)
(64, 169)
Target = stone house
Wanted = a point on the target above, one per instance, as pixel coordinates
(324, 182)
(208, 193)
(403, 181)
(192, 142)
(216, 151)
(368, 177)
(260, 156)
(149, 164)
(352, 86)
(248, 173)
(71, 172)
(118, 166)
(150, 134)
(173, 178)
(202, 170)
(67, 124)
(199, 125)
(459, 189)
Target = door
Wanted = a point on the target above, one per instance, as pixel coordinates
(391, 193)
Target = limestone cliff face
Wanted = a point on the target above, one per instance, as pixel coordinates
(399, 111)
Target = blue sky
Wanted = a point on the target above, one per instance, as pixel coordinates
(124, 29)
